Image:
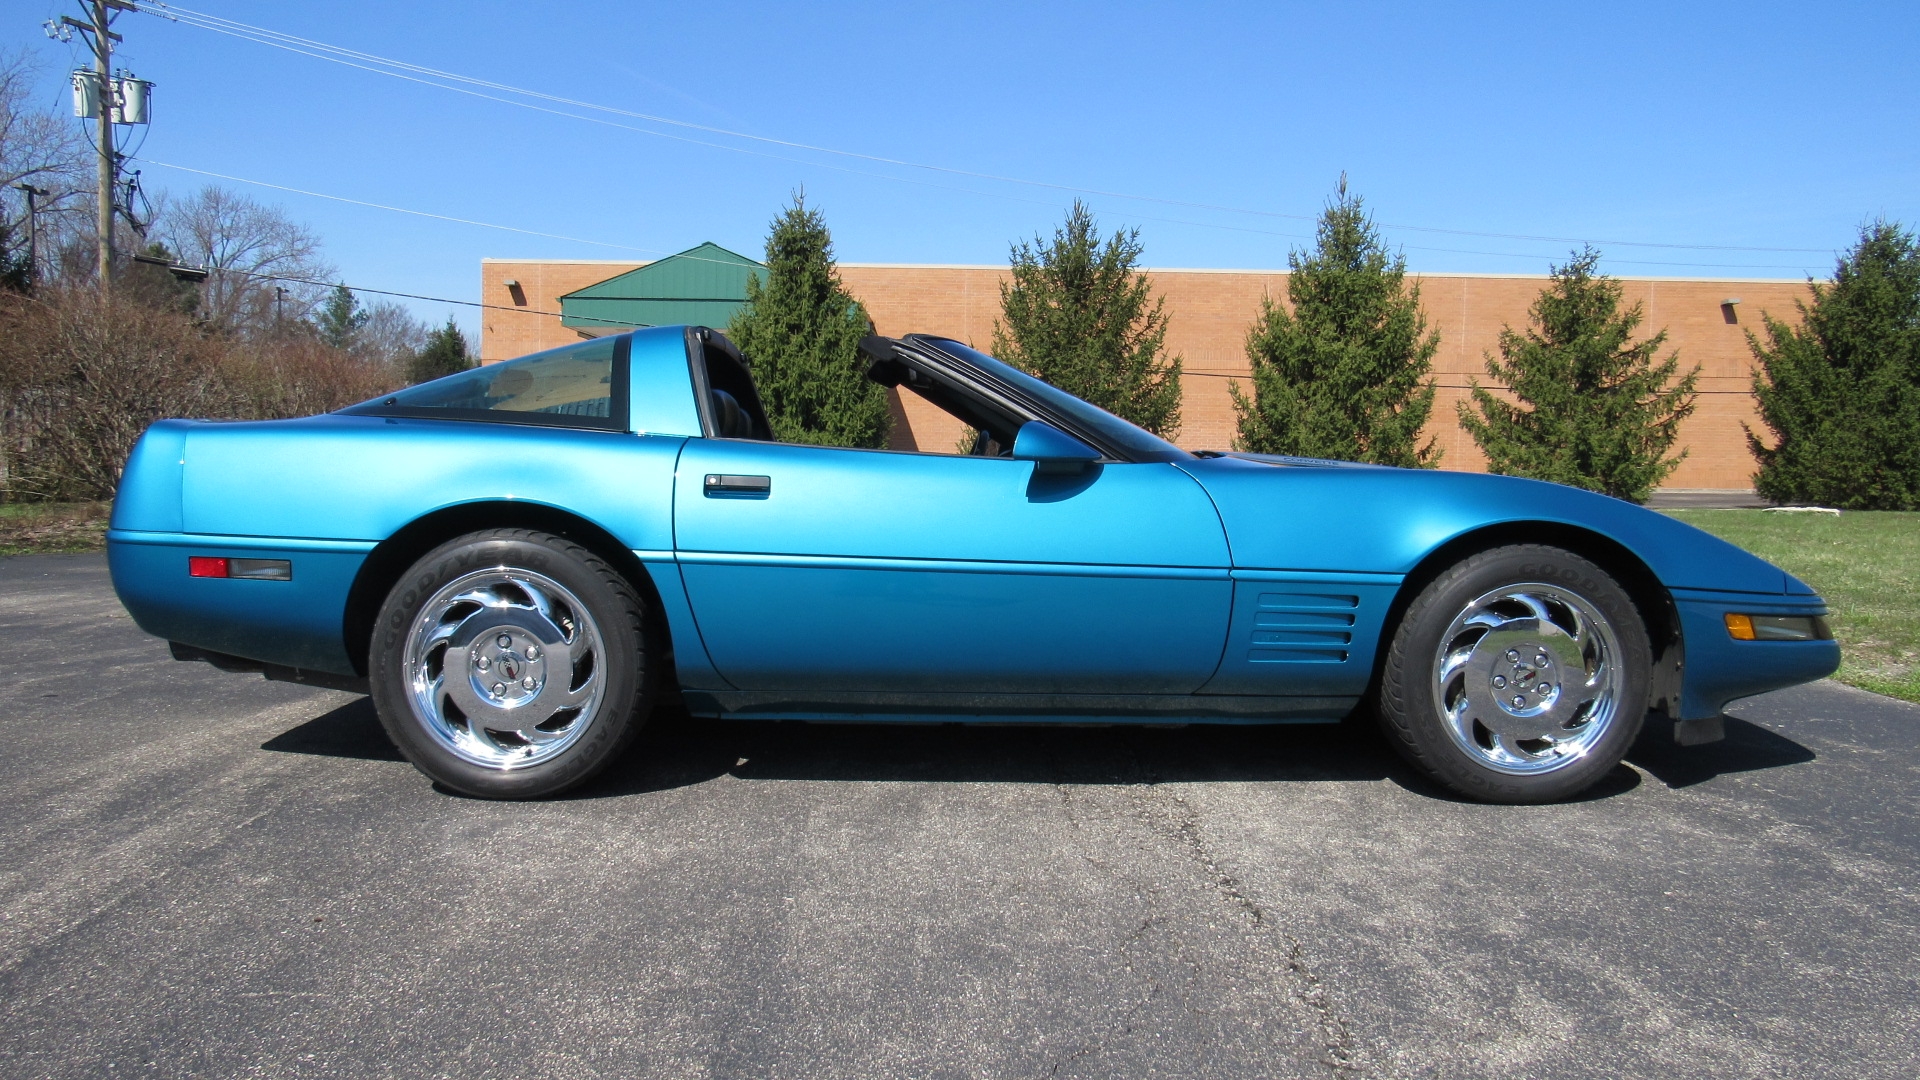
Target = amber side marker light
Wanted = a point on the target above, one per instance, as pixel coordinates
(1777, 628)
(214, 566)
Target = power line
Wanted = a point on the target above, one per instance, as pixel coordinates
(402, 209)
(397, 68)
(589, 119)
(383, 292)
(861, 172)
(661, 251)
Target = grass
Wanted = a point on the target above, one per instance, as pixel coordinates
(41, 528)
(1866, 564)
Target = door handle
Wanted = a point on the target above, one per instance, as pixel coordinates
(736, 486)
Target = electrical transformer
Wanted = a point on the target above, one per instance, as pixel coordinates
(86, 93)
(134, 96)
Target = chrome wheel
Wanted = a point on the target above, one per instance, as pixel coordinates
(1528, 678)
(504, 668)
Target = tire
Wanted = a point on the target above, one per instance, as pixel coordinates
(552, 652)
(1519, 675)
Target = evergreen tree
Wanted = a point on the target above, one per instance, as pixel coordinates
(155, 285)
(801, 330)
(340, 318)
(445, 353)
(1344, 374)
(16, 273)
(1594, 408)
(1841, 391)
(1078, 315)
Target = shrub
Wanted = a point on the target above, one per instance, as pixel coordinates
(82, 375)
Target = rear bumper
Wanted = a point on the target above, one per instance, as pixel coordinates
(299, 623)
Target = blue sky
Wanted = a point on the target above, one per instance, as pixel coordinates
(1724, 126)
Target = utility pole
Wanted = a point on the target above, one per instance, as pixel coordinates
(106, 105)
(104, 212)
(103, 67)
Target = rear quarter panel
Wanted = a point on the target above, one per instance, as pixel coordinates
(323, 491)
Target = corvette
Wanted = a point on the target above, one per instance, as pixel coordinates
(518, 561)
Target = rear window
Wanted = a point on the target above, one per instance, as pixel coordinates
(572, 386)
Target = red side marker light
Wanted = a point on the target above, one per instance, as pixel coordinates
(216, 566)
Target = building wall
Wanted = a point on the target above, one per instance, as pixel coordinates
(1210, 311)
(527, 319)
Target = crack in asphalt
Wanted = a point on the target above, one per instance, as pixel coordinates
(1071, 1058)
(1339, 1050)
(1170, 814)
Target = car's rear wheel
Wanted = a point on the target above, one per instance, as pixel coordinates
(1518, 675)
(512, 664)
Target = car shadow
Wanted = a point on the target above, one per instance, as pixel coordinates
(1748, 747)
(676, 750)
(350, 731)
(981, 753)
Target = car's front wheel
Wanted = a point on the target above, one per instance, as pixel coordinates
(1518, 675)
(511, 664)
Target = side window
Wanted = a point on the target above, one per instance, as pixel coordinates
(572, 386)
(983, 430)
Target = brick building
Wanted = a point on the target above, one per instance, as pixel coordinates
(1209, 312)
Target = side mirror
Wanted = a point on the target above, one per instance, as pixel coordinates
(1052, 450)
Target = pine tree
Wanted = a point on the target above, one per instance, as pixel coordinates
(1344, 373)
(1080, 316)
(800, 330)
(1841, 391)
(16, 273)
(445, 354)
(155, 286)
(340, 318)
(1593, 408)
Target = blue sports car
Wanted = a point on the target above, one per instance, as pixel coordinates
(518, 561)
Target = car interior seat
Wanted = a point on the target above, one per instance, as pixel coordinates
(733, 404)
(732, 420)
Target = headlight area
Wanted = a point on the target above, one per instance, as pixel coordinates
(1777, 627)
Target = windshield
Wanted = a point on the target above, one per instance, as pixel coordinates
(1138, 443)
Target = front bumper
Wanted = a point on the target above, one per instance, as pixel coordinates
(1719, 669)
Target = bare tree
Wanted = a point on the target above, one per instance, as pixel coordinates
(390, 336)
(41, 148)
(249, 246)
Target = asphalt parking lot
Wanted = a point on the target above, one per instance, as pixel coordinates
(211, 875)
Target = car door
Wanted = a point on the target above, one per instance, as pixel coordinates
(827, 569)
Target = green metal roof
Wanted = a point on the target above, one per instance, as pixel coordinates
(702, 286)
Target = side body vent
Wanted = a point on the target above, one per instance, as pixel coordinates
(1302, 633)
(1302, 628)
